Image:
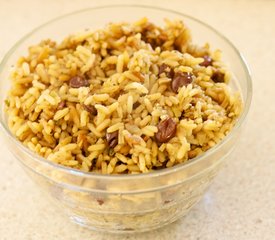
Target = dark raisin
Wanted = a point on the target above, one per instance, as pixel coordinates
(61, 105)
(218, 77)
(166, 130)
(181, 79)
(91, 109)
(78, 81)
(207, 61)
(164, 68)
(112, 139)
(135, 105)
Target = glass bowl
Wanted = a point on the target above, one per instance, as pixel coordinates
(126, 203)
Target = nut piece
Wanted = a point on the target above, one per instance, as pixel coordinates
(166, 130)
(91, 109)
(207, 61)
(78, 81)
(112, 139)
(181, 79)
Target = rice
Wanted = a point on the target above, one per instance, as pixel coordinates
(129, 98)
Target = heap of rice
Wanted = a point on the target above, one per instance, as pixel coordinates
(129, 98)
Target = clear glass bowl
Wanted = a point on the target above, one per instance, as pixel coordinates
(126, 203)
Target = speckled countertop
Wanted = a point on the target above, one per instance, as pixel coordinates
(241, 202)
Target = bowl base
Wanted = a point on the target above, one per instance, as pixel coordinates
(83, 223)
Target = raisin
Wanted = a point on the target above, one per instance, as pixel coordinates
(207, 61)
(78, 81)
(112, 139)
(171, 73)
(181, 79)
(136, 105)
(91, 109)
(166, 130)
(218, 77)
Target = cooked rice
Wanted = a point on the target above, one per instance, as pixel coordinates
(127, 96)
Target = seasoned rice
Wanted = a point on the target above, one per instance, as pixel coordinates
(129, 98)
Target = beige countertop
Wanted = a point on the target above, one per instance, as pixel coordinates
(239, 205)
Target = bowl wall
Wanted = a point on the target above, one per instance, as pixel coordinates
(137, 202)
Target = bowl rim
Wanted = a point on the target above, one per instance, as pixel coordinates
(152, 174)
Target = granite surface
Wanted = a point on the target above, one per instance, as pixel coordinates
(239, 205)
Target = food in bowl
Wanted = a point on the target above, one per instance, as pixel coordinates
(129, 98)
